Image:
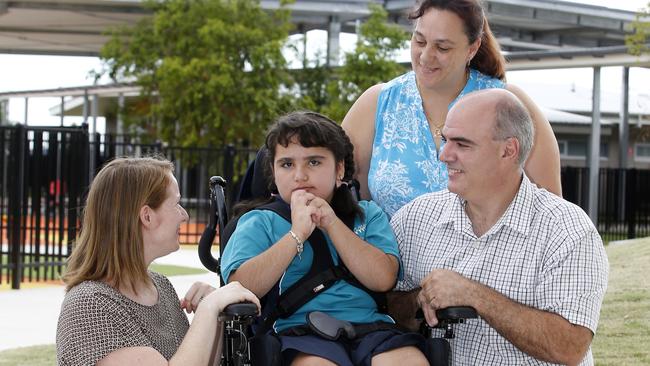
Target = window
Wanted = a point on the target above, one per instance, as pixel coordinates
(642, 151)
(580, 148)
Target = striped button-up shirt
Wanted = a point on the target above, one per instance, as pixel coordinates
(543, 252)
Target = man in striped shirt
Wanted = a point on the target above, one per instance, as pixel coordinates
(531, 264)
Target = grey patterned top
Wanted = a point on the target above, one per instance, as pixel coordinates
(96, 320)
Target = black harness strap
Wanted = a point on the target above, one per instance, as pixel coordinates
(321, 275)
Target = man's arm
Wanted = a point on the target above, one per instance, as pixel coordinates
(540, 334)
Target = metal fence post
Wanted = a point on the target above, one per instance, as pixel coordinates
(15, 207)
(631, 202)
(229, 173)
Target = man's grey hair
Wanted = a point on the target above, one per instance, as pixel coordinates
(513, 120)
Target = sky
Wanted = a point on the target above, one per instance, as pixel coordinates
(29, 72)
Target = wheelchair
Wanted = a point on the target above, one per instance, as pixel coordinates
(238, 318)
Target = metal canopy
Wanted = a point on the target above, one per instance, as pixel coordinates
(77, 27)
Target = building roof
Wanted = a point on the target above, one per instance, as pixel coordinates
(77, 27)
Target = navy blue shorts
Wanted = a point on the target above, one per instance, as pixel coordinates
(349, 353)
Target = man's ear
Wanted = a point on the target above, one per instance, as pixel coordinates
(511, 149)
(146, 214)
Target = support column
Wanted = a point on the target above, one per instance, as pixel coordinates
(26, 110)
(594, 148)
(4, 112)
(62, 110)
(623, 142)
(333, 47)
(92, 137)
(119, 151)
(305, 60)
(85, 106)
(624, 126)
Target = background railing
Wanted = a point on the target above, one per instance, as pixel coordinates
(45, 172)
(44, 176)
(623, 200)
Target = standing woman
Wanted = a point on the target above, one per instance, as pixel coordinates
(395, 127)
(116, 312)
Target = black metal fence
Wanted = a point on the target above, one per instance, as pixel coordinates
(44, 175)
(45, 172)
(623, 200)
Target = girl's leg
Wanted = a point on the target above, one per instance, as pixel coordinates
(400, 356)
(304, 359)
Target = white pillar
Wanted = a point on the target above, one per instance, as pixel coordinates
(119, 149)
(62, 109)
(624, 125)
(594, 148)
(4, 111)
(26, 110)
(85, 106)
(333, 48)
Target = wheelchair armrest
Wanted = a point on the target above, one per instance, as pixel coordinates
(447, 317)
(456, 313)
(451, 314)
(242, 309)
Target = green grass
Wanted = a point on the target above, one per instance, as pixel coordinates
(622, 337)
(32, 356)
(165, 269)
(623, 333)
(171, 270)
(4, 259)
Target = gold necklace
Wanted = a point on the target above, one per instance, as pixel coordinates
(437, 131)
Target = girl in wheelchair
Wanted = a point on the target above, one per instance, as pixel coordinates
(310, 159)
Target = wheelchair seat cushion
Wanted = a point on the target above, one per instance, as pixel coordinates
(349, 352)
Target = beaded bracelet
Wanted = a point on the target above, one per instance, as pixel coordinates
(299, 243)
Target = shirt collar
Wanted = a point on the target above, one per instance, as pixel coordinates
(517, 215)
(455, 213)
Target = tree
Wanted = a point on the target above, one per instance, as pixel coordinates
(636, 42)
(211, 71)
(372, 61)
(332, 91)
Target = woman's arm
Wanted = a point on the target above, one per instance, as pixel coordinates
(543, 164)
(359, 125)
(198, 345)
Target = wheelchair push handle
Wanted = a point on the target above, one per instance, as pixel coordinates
(216, 219)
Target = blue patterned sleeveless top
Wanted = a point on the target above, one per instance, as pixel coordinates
(404, 162)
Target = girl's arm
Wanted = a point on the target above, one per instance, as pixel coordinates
(370, 265)
(260, 273)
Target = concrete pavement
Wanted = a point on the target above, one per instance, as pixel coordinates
(29, 316)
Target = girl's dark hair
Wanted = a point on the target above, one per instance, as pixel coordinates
(488, 58)
(311, 129)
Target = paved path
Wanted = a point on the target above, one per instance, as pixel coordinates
(28, 316)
